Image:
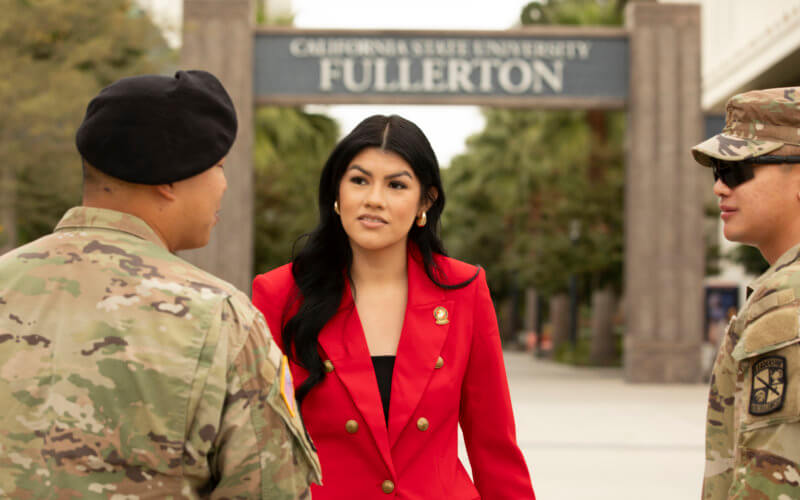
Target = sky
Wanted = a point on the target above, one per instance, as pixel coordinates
(447, 127)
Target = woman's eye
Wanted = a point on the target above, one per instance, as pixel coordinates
(358, 180)
(397, 185)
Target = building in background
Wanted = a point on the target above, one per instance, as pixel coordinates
(748, 45)
(745, 46)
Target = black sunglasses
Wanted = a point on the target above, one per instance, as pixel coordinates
(734, 173)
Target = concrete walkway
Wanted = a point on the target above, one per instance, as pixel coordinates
(586, 434)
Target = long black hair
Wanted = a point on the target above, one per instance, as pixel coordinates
(322, 265)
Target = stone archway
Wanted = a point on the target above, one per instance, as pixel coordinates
(664, 255)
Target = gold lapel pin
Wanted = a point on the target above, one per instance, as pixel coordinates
(440, 315)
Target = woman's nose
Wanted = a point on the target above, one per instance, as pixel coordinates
(375, 196)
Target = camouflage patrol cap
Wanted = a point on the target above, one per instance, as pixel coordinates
(756, 123)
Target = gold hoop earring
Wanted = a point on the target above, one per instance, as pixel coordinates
(422, 219)
(336, 207)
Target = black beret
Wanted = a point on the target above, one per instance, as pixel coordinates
(154, 129)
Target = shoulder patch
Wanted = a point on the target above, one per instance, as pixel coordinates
(287, 387)
(769, 385)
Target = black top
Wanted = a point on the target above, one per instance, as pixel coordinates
(384, 366)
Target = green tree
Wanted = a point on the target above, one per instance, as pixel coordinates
(530, 178)
(291, 147)
(519, 187)
(55, 55)
(573, 12)
(750, 258)
(531, 175)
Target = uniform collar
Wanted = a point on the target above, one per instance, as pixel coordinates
(789, 257)
(78, 218)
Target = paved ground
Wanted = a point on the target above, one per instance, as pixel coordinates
(586, 434)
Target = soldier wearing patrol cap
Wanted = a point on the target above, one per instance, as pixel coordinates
(126, 372)
(753, 424)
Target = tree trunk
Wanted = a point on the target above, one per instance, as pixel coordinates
(603, 350)
(531, 312)
(506, 321)
(530, 322)
(598, 124)
(559, 320)
(8, 223)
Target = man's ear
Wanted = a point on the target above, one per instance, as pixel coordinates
(429, 198)
(166, 191)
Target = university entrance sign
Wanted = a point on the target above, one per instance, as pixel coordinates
(561, 67)
(651, 68)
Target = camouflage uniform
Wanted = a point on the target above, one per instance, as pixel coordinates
(127, 373)
(753, 423)
(753, 426)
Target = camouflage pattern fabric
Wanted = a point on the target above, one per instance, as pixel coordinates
(753, 425)
(127, 373)
(756, 123)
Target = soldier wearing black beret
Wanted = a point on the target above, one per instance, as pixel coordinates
(133, 371)
(155, 129)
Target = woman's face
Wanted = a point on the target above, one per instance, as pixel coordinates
(379, 199)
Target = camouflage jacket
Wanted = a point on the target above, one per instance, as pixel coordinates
(127, 373)
(753, 424)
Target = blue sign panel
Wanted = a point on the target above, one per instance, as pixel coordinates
(457, 67)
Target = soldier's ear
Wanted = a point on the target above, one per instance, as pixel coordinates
(166, 191)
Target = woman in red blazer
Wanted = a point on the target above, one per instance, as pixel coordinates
(392, 344)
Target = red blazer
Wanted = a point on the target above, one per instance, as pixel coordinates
(410, 460)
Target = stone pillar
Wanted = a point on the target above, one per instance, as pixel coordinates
(218, 37)
(664, 256)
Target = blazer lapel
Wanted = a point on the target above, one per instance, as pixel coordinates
(421, 342)
(344, 343)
